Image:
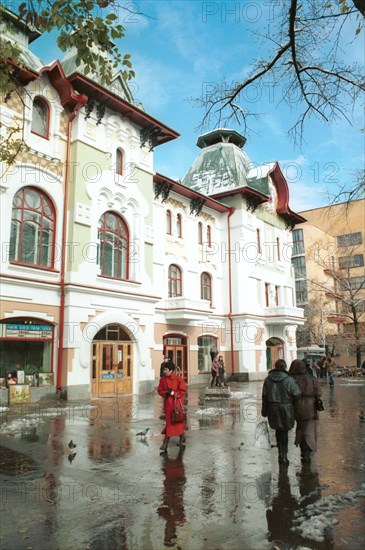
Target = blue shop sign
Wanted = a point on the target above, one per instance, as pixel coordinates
(107, 376)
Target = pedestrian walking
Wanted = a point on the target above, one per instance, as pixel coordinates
(313, 368)
(162, 373)
(323, 368)
(214, 369)
(222, 371)
(278, 394)
(306, 414)
(330, 365)
(171, 388)
(162, 367)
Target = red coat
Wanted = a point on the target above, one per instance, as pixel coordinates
(178, 385)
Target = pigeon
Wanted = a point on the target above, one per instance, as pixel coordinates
(71, 445)
(71, 456)
(362, 416)
(144, 433)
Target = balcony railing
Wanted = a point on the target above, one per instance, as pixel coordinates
(183, 308)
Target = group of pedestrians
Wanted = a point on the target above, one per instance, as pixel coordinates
(218, 372)
(289, 397)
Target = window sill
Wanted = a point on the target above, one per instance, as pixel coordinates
(21, 266)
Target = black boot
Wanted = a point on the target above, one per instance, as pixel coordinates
(283, 459)
(283, 455)
(305, 451)
(182, 440)
(165, 443)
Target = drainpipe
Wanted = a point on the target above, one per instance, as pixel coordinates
(63, 257)
(231, 210)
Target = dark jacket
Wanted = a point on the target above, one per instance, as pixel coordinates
(278, 393)
(304, 407)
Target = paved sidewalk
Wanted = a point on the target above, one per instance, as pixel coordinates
(222, 492)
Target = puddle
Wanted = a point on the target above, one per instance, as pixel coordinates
(14, 463)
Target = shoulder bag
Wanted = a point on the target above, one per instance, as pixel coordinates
(318, 401)
(179, 413)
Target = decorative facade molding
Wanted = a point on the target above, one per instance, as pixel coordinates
(176, 204)
(162, 188)
(149, 136)
(196, 205)
(253, 203)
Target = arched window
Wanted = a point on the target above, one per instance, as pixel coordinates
(40, 117)
(174, 281)
(32, 228)
(200, 233)
(209, 235)
(168, 222)
(113, 246)
(205, 344)
(179, 226)
(119, 162)
(206, 287)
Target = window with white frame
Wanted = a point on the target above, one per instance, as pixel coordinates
(32, 235)
(113, 246)
(40, 117)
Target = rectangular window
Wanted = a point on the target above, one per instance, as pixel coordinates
(299, 266)
(345, 262)
(278, 255)
(267, 294)
(350, 239)
(357, 282)
(301, 292)
(258, 238)
(277, 295)
(298, 242)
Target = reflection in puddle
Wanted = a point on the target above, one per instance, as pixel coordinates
(14, 463)
(172, 508)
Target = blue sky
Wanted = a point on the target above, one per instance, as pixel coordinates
(184, 47)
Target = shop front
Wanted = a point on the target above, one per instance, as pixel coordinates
(26, 345)
(112, 362)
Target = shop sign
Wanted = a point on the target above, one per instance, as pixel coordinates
(22, 331)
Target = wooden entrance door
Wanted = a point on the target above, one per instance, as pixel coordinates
(112, 369)
(273, 353)
(176, 354)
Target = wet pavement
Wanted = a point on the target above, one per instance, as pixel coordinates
(224, 491)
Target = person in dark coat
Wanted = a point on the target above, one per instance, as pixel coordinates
(305, 410)
(278, 394)
(171, 386)
(162, 367)
(214, 369)
(222, 371)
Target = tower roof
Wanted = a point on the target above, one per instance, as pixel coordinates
(222, 165)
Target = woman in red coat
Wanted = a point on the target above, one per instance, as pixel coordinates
(170, 387)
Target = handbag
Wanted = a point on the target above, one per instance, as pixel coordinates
(318, 402)
(179, 413)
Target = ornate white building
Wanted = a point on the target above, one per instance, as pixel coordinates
(108, 265)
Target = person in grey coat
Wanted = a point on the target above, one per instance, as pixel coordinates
(278, 395)
(305, 409)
